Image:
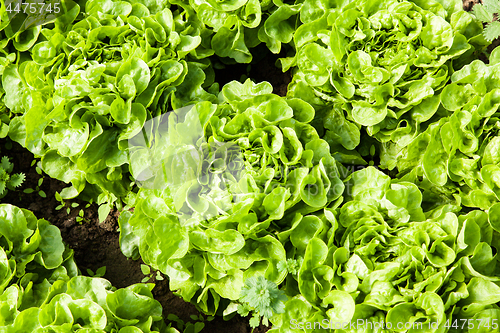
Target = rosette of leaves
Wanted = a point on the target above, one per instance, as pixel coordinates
(33, 258)
(224, 179)
(261, 297)
(457, 157)
(41, 291)
(380, 65)
(380, 258)
(9, 180)
(15, 39)
(85, 304)
(92, 80)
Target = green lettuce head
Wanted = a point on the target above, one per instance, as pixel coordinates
(91, 81)
(457, 157)
(380, 259)
(383, 64)
(41, 291)
(237, 26)
(218, 180)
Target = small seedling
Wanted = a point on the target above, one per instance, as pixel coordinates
(61, 201)
(190, 327)
(40, 181)
(80, 217)
(261, 297)
(9, 181)
(105, 202)
(98, 273)
(146, 270)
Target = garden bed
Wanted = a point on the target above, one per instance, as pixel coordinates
(97, 244)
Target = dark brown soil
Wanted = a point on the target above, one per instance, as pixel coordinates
(97, 244)
(267, 70)
(468, 4)
(261, 69)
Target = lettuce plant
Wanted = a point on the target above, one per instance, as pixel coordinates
(218, 185)
(41, 291)
(238, 26)
(381, 258)
(231, 23)
(379, 64)
(90, 82)
(246, 201)
(33, 258)
(85, 304)
(25, 241)
(457, 156)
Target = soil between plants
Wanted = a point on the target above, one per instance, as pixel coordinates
(97, 244)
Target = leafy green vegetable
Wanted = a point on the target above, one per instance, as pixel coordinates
(456, 158)
(33, 259)
(230, 22)
(381, 258)
(380, 65)
(32, 242)
(238, 26)
(218, 181)
(247, 200)
(41, 291)
(88, 84)
(85, 303)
